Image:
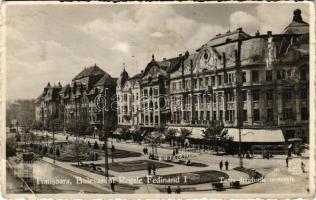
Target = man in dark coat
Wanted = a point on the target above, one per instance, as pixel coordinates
(149, 169)
(221, 165)
(169, 189)
(226, 165)
(154, 169)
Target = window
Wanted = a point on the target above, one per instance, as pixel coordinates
(145, 92)
(229, 115)
(245, 115)
(214, 115)
(174, 86)
(213, 80)
(287, 94)
(244, 95)
(206, 81)
(244, 77)
(255, 76)
(208, 115)
(195, 83)
(255, 95)
(303, 94)
(201, 82)
(268, 75)
(230, 77)
(269, 94)
(256, 115)
(287, 113)
(219, 79)
(269, 114)
(304, 114)
(187, 84)
(230, 96)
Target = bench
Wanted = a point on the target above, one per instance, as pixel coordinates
(218, 186)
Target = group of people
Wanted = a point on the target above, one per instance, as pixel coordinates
(221, 165)
(151, 168)
(177, 191)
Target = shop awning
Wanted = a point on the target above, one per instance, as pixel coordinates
(197, 132)
(255, 135)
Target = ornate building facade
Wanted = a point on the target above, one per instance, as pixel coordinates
(258, 82)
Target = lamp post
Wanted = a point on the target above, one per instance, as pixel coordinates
(106, 156)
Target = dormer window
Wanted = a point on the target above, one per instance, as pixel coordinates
(205, 56)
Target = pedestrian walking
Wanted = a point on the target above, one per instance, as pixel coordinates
(149, 169)
(154, 169)
(177, 150)
(226, 165)
(178, 190)
(112, 185)
(287, 161)
(144, 151)
(169, 189)
(221, 165)
(173, 152)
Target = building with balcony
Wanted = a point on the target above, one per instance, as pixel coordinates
(255, 82)
(128, 100)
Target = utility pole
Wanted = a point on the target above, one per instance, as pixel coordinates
(239, 100)
(106, 156)
(76, 130)
(54, 141)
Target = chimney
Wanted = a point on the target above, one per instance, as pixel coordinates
(142, 71)
(164, 59)
(239, 29)
(269, 33)
(257, 33)
(180, 54)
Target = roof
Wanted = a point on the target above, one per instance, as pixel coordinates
(136, 76)
(90, 71)
(297, 26)
(255, 135)
(106, 80)
(222, 38)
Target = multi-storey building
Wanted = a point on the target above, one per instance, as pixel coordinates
(253, 82)
(128, 100)
(75, 103)
(46, 105)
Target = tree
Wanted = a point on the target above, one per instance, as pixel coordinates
(184, 133)
(125, 134)
(154, 138)
(170, 134)
(212, 133)
(138, 136)
(11, 146)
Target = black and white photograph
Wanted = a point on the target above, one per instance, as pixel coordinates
(158, 98)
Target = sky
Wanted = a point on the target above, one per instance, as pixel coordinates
(53, 43)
